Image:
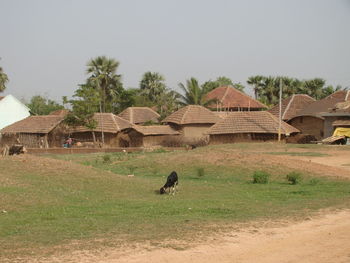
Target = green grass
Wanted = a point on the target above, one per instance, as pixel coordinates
(52, 202)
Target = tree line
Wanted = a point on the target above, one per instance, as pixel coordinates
(103, 91)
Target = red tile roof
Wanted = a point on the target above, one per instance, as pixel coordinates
(192, 114)
(155, 130)
(250, 122)
(292, 105)
(230, 97)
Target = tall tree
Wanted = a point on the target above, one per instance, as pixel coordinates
(103, 77)
(3, 80)
(152, 85)
(194, 94)
(256, 82)
(221, 81)
(86, 101)
(40, 105)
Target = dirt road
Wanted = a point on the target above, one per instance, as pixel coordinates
(322, 239)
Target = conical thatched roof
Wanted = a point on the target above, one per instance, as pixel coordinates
(292, 106)
(250, 122)
(192, 114)
(106, 122)
(138, 115)
(229, 97)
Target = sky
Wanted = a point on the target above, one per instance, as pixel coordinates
(46, 44)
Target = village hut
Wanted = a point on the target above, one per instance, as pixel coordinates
(291, 106)
(247, 127)
(316, 119)
(227, 98)
(108, 130)
(192, 121)
(36, 132)
(149, 136)
(139, 115)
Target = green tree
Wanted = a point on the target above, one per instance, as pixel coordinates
(86, 101)
(257, 83)
(314, 87)
(3, 80)
(152, 85)
(103, 77)
(221, 81)
(40, 105)
(194, 94)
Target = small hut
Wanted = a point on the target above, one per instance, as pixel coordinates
(316, 118)
(107, 130)
(247, 127)
(148, 136)
(230, 99)
(139, 115)
(44, 131)
(192, 121)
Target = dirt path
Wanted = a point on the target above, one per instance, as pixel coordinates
(322, 239)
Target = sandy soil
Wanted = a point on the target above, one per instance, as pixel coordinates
(322, 239)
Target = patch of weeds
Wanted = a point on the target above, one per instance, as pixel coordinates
(200, 172)
(260, 177)
(311, 154)
(160, 150)
(132, 169)
(314, 181)
(294, 178)
(106, 158)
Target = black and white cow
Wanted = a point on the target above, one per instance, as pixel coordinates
(171, 183)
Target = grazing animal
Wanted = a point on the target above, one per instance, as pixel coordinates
(171, 182)
(17, 149)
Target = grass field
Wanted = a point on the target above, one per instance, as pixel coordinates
(53, 200)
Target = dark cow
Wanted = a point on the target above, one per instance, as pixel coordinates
(17, 149)
(171, 183)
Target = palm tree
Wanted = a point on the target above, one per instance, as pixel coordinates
(152, 85)
(314, 87)
(104, 78)
(3, 80)
(256, 82)
(194, 93)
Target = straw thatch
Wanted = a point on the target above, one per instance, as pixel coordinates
(139, 115)
(192, 114)
(292, 106)
(228, 97)
(106, 122)
(34, 124)
(250, 122)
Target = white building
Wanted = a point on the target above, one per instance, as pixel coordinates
(11, 111)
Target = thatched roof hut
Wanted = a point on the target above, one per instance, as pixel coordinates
(148, 136)
(36, 132)
(229, 98)
(139, 115)
(248, 126)
(192, 120)
(108, 124)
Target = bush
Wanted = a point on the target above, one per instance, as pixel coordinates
(200, 172)
(106, 158)
(314, 181)
(261, 177)
(294, 177)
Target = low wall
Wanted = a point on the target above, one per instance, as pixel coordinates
(93, 150)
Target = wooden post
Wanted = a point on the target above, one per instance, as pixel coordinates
(280, 112)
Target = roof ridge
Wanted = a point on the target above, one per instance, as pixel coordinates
(226, 92)
(274, 118)
(186, 111)
(115, 121)
(288, 106)
(347, 95)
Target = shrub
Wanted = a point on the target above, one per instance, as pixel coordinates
(260, 177)
(200, 172)
(314, 181)
(106, 158)
(294, 177)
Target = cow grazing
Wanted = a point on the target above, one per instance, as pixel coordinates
(171, 183)
(17, 149)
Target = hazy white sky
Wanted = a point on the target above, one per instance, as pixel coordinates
(45, 44)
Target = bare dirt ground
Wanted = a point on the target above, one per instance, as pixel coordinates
(322, 239)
